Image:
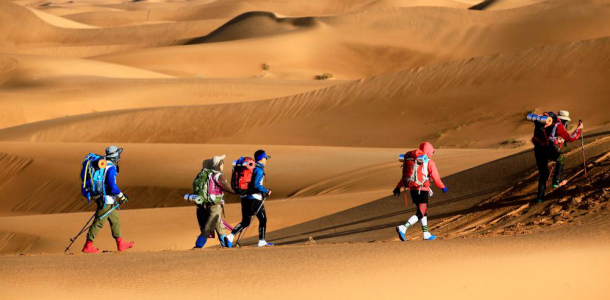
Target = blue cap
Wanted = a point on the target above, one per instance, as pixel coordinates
(260, 154)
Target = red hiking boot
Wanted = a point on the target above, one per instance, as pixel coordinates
(88, 248)
(122, 245)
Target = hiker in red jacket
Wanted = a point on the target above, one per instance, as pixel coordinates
(418, 170)
(546, 140)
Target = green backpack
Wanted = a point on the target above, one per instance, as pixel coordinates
(200, 186)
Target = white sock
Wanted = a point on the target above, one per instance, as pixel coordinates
(424, 227)
(424, 222)
(412, 220)
(230, 237)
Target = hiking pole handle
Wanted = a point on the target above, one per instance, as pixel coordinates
(108, 212)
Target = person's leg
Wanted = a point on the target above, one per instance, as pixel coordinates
(202, 218)
(115, 224)
(423, 210)
(560, 161)
(215, 223)
(543, 170)
(402, 229)
(246, 214)
(94, 230)
(262, 221)
(98, 223)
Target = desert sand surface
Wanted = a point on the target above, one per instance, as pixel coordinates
(334, 91)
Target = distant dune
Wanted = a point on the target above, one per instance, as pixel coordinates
(350, 114)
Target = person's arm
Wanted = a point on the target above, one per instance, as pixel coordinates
(257, 178)
(111, 182)
(563, 133)
(434, 174)
(225, 185)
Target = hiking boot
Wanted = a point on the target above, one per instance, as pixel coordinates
(263, 243)
(429, 236)
(122, 245)
(89, 248)
(200, 242)
(402, 230)
(230, 239)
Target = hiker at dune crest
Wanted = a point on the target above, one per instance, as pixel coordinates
(108, 201)
(548, 139)
(208, 193)
(417, 172)
(252, 177)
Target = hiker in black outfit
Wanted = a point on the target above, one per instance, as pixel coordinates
(253, 202)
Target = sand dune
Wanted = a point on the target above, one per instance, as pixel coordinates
(510, 181)
(46, 95)
(59, 21)
(457, 264)
(295, 172)
(146, 12)
(177, 81)
(369, 43)
(433, 100)
(23, 32)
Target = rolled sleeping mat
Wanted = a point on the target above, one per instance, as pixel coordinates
(401, 158)
(193, 198)
(101, 164)
(540, 119)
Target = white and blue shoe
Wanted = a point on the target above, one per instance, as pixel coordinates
(228, 243)
(402, 230)
(263, 243)
(428, 236)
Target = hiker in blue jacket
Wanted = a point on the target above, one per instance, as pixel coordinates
(106, 203)
(254, 202)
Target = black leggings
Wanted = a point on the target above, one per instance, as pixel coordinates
(420, 199)
(248, 209)
(543, 155)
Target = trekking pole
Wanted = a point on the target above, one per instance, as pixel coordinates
(227, 225)
(109, 211)
(87, 226)
(246, 229)
(582, 144)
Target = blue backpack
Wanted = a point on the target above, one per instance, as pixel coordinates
(93, 175)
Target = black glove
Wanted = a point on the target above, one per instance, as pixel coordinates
(396, 191)
(123, 198)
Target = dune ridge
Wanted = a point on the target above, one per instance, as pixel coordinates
(584, 73)
(368, 43)
(41, 37)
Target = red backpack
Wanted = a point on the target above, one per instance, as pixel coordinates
(415, 169)
(242, 175)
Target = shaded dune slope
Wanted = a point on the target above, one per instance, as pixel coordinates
(255, 24)
(375, 220)
(413, 104)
